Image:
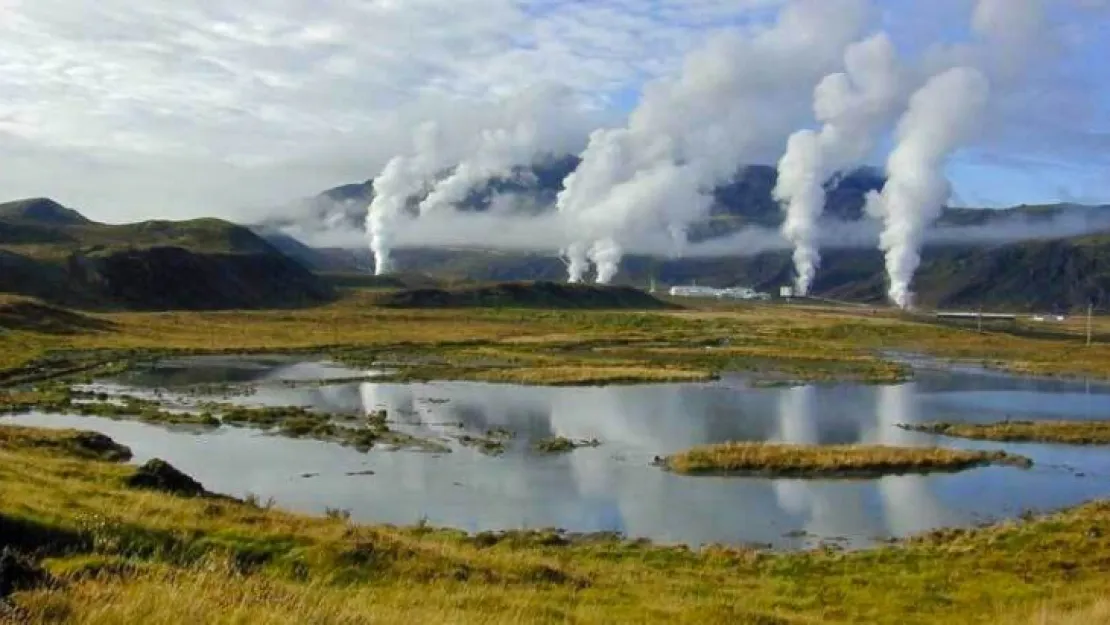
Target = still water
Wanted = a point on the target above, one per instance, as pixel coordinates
(613, 487)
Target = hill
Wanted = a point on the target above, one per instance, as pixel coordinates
(526, 295)
(55, 254)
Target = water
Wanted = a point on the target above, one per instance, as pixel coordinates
(613, 487)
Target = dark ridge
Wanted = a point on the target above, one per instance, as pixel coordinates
(33, 316)
(173, 278)
(42, 210)
(526, 295)
(202, 264)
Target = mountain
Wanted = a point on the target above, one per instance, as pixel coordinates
(744, 201)
(41, 211)
(57, 255)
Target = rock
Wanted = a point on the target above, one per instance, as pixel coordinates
(161, 476)
(101, 446)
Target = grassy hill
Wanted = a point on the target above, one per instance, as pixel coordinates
(525, 295)
(55, 254)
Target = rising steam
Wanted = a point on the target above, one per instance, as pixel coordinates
(402, 178)
(854, 106)
(942, 116)
(734, 99)
(524, 134)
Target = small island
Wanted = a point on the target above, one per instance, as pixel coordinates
(832, 461)
(1065, 432)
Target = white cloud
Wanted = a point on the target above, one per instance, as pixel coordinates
(207, 102)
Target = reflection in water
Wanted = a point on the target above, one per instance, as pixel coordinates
(613, 487)
(907, 502)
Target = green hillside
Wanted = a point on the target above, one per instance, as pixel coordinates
(55, 254)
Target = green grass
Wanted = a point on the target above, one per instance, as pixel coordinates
(829, 461)
(1066, 432)
(130, 556)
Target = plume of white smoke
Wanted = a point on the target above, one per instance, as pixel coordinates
(854, 107)
(735, 98)
(481, 142)
(526, 131)
(942, 116)
(402, 178)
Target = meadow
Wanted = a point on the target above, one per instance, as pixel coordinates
(114, 554)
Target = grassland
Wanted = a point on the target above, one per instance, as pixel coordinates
(829, 461)
(122, 555)
(1064, 432)
(773, 343)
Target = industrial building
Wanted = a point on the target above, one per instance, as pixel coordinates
(738, 292)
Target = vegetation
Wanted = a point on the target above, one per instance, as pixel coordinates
(829, 461)
(562, 445)
(1067, 432)
(55, 254)
(124, 555)
(544, 295)
(61, 399)
(492, 444)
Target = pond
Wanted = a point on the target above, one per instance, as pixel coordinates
(612, 487)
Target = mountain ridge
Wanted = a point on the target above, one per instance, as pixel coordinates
(55, 254)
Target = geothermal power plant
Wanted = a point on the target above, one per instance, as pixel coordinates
(814, 88)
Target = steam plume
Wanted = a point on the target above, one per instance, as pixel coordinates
(525, 132)
(854, 107)
(402, 178)
(942, 116)
(735, 98)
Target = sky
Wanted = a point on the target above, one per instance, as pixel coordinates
(136, 110)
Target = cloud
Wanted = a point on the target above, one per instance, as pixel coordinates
(219, 106)
(197, 107)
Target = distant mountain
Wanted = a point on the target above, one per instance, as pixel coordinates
(41, 211)
(984, 256)
(743, 201)
(56, 254)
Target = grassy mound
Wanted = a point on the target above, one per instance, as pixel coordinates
(1067, 432)
(526, 295)
(27, 314)
(835, 461)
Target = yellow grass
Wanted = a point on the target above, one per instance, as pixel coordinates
(1066, 432)
(828, 460)
(155, 558)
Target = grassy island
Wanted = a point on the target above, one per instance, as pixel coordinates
(834, 461)
(1065, 432)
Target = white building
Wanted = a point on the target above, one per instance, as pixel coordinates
(738, 292)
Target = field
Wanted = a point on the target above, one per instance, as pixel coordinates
(119, 555)
(541, 346)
